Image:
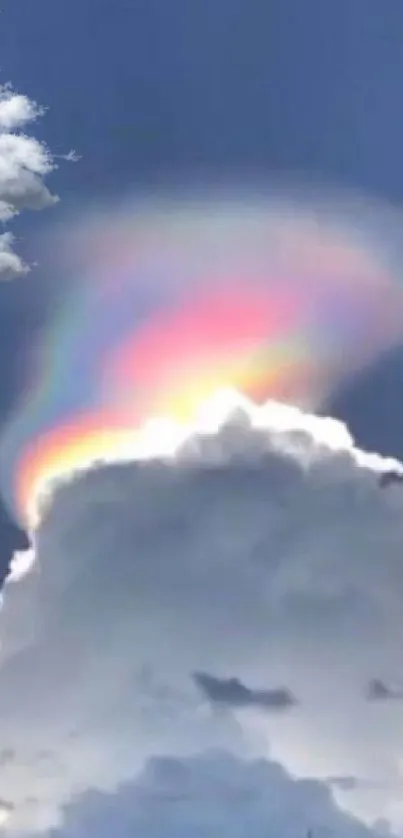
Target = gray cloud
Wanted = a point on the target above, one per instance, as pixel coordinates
(6, 756)
(257, 551)
(232, 692)
(209, 795)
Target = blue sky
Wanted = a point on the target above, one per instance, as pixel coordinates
(139, 87)
(143, 91)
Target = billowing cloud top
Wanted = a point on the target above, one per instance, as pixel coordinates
(170, 299)
(205, 542)
(267, 551)
(24, 163)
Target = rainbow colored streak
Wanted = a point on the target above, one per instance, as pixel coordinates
(169, 304)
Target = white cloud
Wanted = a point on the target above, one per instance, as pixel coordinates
(11, 265)
(72, 156)
(268, 552)
(16, 110)
(24, 164)
(20, 564)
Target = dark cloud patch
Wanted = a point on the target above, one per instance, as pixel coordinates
(389, 478)
(231, 692)
(378, 690)
(12, 539)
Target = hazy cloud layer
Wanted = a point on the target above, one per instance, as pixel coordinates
(24, 164)
(272, 553)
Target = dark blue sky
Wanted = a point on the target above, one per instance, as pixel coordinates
(144, 89)
(144, 86)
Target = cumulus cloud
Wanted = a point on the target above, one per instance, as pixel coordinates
(210, 795)
(231, 692)
(24, 164)
(265, 548)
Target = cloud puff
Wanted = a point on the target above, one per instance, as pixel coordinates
(24, 163)
(266, 548)
(210, 795)
(10, 263)
(232, 692)
(16, 110)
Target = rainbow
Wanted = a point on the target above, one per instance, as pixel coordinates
(167, 303)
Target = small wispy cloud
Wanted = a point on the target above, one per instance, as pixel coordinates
(72, 156)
